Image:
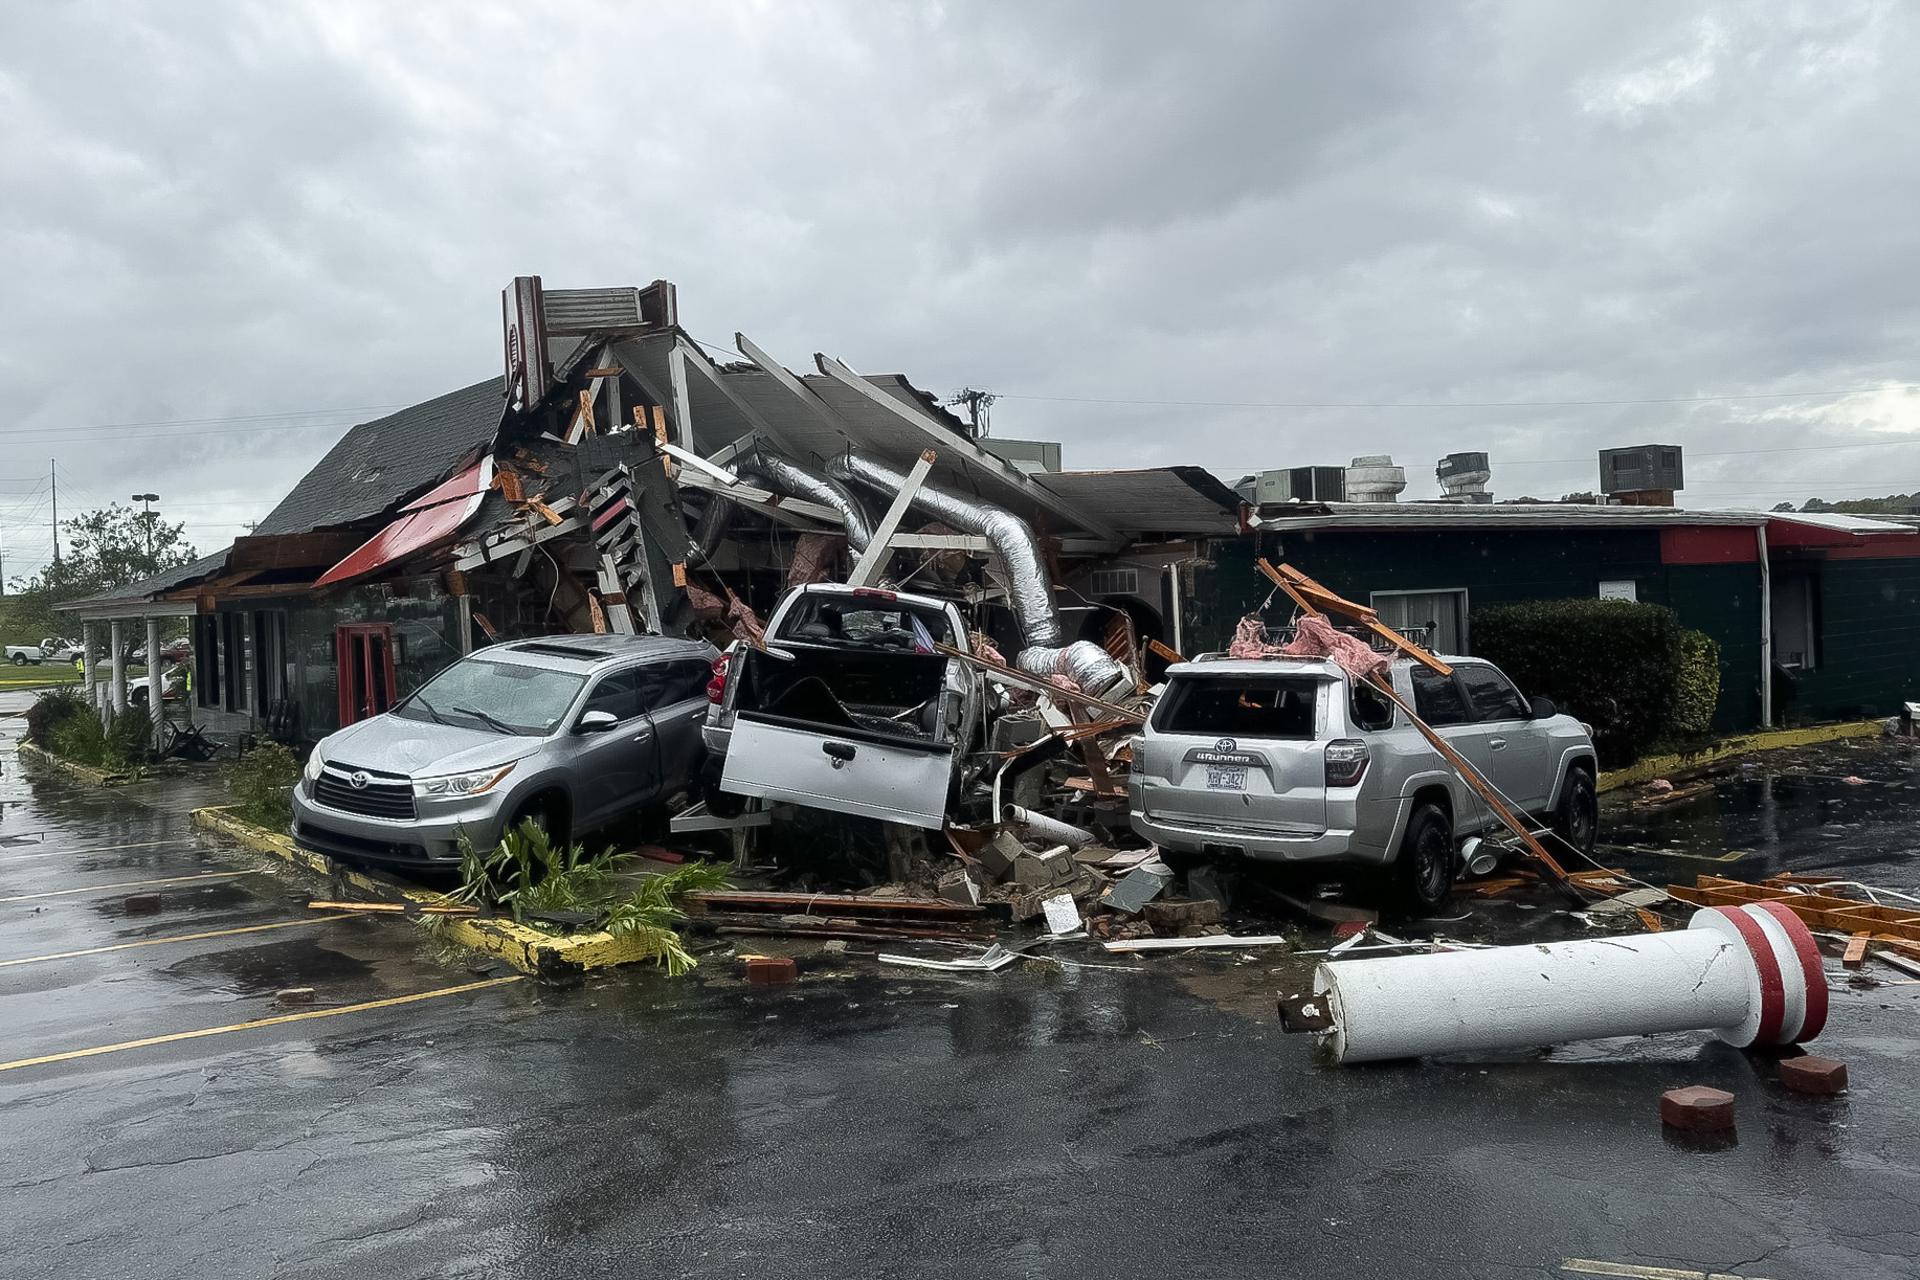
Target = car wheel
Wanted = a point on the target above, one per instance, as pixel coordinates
(1577, 820)
(19, 659)
(1426, 863)
(546, 815)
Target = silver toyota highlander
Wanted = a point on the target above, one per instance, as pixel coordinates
(1291, 760)
(572, 731)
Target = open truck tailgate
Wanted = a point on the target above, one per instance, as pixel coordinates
(847, 771)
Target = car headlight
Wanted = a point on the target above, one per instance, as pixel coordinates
(460, 784)
(314, 763)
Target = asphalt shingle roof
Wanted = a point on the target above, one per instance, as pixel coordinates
(380, 463)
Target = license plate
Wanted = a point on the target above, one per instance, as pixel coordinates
(1228, 777)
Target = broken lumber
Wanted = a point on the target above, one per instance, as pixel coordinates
(829, 904)
(398, 908)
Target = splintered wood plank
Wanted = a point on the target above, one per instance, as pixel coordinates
(1856, 953)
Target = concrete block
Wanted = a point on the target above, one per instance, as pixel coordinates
(997, 856)
(1697, 1109)
(771, 971)
(958, 886)
(1809, 1074)
(1037, 870)
(293, 995)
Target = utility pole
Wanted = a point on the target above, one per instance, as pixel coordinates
(978, 403)
(53, 476)
(146, 517)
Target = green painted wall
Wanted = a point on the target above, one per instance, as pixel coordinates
(1495, 567)
(1869, 642)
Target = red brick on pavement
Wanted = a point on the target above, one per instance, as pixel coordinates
(771, 971)
(1809, 1074)
(1697, 1108)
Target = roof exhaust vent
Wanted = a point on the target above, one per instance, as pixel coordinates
(1463, 478)
(1374, 478)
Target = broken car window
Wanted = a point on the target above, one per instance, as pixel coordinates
(1240, 707)
(868, 622)
(1370, 709)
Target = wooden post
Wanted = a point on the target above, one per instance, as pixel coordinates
(874, 558)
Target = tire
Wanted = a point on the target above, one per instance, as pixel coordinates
(549, 814)
(19, 659)
(1423, 871)
(1577, 818)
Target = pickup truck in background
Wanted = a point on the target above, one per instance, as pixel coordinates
(848, 707)
(52, 649)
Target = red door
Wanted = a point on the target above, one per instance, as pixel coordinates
(363, 652)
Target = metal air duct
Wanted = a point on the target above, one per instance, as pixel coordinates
(1030, 587)
(795, 481)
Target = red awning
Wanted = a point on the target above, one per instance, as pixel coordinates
(426, 521)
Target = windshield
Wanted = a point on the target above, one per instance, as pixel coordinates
(1240, 706)
(502, 696)
(869, 621)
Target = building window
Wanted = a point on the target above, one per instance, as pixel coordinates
(1796, 622)
(1444, 611)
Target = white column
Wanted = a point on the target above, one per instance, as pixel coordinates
(1766, 629)
(117, 669)
(154, 708)
(86, 661)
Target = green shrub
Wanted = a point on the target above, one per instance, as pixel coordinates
(51, 707)
(79, 736)
(261, 783)
(1697, 695)
(129, 739)
(1613, 664)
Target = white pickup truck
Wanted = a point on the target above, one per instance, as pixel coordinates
(52, 649)
(848, 707)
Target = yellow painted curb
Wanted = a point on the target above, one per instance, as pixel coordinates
(527, 950)
(1726, 748)
(84, 772)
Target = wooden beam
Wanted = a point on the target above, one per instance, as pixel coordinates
(704, 366)
(958, 446)
(1856, 952)
(798, 389)
(1308, 594)
(682, 406)
(874, 558)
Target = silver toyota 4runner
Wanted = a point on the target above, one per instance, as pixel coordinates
(1291, 760)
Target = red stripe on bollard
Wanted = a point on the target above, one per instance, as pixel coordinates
(1812, 968)
(1773, 990)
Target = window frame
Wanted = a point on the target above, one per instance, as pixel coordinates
(631, 674)
(1473, 710)
(1466, 602)
(1418, 672)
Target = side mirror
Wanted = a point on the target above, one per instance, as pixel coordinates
(595, 722)
(1543, 708)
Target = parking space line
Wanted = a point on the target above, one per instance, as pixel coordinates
(178, 937)
(277, 1020)
(6, 861)
(1595, 1267)
(128, 884)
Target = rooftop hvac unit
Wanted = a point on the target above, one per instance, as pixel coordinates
(1374, 478)
(1295, 484)
(1648, 472)
(1463, 477)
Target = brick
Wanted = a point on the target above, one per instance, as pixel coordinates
(1181, 914)
(1697, 1108)
(143, 904)
(771, 971)
(1820, 1076)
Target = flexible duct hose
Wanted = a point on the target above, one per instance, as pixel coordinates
(795, 481)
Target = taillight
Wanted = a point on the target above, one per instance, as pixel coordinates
(717, 685)
(1346, 762)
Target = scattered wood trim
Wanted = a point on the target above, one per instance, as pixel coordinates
(1856, 953)
(829, 904)
(1188, 944)
(1165, 651)
(398, 908)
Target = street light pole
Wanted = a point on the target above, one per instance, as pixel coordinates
(147, 500)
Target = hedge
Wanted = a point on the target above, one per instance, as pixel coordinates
(1618, 666)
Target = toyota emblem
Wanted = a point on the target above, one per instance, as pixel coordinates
(358, 779)
(1225, 744)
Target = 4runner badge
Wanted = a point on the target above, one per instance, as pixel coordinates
(1224, 751)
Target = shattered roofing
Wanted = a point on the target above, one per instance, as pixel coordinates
(381, 463)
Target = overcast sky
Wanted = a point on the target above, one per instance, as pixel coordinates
(1243, 236)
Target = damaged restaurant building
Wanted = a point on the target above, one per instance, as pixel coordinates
(616, 477)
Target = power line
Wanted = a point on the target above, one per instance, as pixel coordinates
(1460, 404)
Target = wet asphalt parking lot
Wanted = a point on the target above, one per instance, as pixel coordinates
(1141, 1118)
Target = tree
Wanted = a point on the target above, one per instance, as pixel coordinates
(114, 546)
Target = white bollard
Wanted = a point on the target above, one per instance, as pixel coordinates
(1751, 975)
